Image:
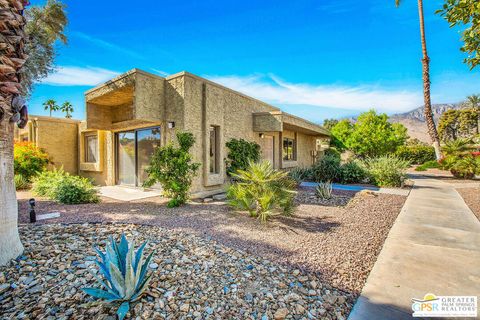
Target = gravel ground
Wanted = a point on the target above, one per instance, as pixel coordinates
(471, 196)
(339, 243)
(192, 278)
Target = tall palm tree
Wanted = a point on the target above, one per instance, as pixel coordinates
(51, 105)
(67, 107)
(12, 56)
(432, 130)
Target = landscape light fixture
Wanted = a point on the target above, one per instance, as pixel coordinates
(33, 215)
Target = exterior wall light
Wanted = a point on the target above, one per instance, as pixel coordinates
(171, 124)
(262, 135)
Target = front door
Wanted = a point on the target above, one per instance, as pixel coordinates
(134, 149)
(267, 147)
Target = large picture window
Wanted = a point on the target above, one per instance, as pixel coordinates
(214, 162)
(289, 149)
(91, 148)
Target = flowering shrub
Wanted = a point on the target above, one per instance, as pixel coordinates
(29, 160)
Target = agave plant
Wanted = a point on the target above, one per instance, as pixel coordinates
(324, 190)
(124, 272)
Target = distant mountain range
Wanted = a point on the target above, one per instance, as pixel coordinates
(414, 120)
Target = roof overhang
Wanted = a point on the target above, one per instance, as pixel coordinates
(278, 121)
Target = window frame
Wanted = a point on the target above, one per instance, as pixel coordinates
(214, 149)
(86, 149)
(286, 155)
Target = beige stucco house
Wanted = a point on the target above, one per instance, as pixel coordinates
(128, 116)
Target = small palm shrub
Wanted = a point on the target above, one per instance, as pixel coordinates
(240, 153)
(21, 183)
(123, 274)
(416, 154)
(465, 167)
(300, 174)
(353, 172)
(29, 160)
(328, 168)
(387, 170)
(65, 188)
(457, 147)
(173, 168)
(324, 190)
(262, 191)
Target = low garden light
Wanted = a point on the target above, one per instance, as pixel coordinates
(33, 215)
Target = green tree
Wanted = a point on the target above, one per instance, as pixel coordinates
(340, 134)
(45, 25)
(51, 105)
(473, 102)
(67, 107)
(454, 124)
(432, 130)
(465, 13)
(329, 123)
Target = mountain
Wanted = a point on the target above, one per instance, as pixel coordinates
(414, 120)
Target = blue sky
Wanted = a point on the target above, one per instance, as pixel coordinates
(316, 59)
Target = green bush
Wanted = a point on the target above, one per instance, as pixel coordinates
(20, 182)
(428, 165)
(300, 174)
(240, 153)
(353, 172)
(416, 154)
(65, 188)
(333, 153)
(173, 168)
(262, 191)
(464, 166)
(328, 168)
(387, 170)
(29, 160)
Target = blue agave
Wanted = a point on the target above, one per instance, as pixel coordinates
(124, 274)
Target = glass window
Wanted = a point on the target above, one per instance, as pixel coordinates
(214, 150)
(91, 148)
(289, 149)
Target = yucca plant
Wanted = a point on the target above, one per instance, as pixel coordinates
(262, 190)
(324, 190)
(124, 273)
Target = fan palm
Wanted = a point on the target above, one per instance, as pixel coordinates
(67, 107)
(432, 130)
(51, 105)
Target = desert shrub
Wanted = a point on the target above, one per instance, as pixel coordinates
(122, 274)
(21, 183)
(333, 153)
(465, 167)
(65, 188)
(173, 168)
(416, 154)
(428, 165)
(74, 190)
(328, 168)
(387, 170)
(262, 191)
(353, 172)
(324, 190)
(457, 147)
(29, 160)
(240, 152)
(300, 174)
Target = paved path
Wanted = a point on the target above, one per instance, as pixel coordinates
(433, 247)
(127, 194)
(347, 187)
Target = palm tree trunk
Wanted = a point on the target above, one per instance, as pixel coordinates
(11, 30)
(432, 130)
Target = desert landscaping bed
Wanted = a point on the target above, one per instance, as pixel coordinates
(471, 196)
(193, 278)
(338, 242)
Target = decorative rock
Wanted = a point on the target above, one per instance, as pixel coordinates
(280, 314)
(4, 287)
(185, 307)
(153, 265)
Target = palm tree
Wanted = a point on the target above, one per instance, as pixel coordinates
(432, 130)
(67, 107)
(51, 105)
(13, 57)
(473, 102)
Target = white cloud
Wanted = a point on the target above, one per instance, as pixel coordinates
(160, 72)
(276, 91)
(79, 76)
(107, 45)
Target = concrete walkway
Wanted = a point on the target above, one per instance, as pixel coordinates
(127, 194)
(433, 247)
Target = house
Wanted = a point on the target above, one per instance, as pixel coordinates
(130, 115)
(57, 136)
